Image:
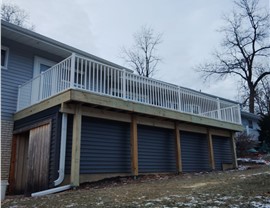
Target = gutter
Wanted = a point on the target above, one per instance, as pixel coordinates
(61, 170)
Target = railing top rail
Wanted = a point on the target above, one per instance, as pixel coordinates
(98, 62)
(127, 72)
(174, 90)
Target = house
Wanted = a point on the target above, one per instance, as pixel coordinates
(69, 117)
(250, 124)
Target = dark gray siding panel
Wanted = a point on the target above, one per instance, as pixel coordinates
(156, 150)
(20, 70)
(222, 151)
(69, 144)
(105, 146)
(194, 149)
(55, 116)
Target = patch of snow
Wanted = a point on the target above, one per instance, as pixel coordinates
(256, 161)
(72, 205)
(219, 202)
(100, 203)
(166, 198)
(243, 167)
(260, 204)
(181, 204)
(148, 204)
(256, 174)
(224, 198)
(154, 200)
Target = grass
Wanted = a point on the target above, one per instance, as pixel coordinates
(245, 188)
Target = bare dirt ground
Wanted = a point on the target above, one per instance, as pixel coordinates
(235, 188)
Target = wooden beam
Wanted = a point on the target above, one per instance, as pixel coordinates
(134, 145)
(211, 150)
(178, 148)
(220, 132)
(43, 105)
(134, 107)
(234, 155)
(116, 103)
(157, 122)
(193, 128)
(76, 147)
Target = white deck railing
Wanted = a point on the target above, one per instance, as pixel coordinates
(82, 73)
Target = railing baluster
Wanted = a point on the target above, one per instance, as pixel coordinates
(72, 71)
(83, 73)
(124, 84)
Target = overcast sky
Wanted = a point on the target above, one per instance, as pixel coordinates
(102, 27)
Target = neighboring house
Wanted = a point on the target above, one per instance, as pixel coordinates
(69, 117)
(250, 124)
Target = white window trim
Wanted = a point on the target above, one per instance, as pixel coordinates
(6, 58)
(38, 61)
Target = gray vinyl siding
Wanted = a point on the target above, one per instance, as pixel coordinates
(105, 146)
(55, 117)
(222, 151)
(156, 150)
(69, 144)
(19, 70)
(194, 150)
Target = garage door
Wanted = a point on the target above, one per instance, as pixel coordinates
(222, 151)
(156, 149)
(194, 149)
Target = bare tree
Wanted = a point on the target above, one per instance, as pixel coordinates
(263, 97)
(15, 15)
(142, 56)
(245, 49)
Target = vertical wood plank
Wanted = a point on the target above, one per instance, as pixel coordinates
(12, 165)
(20, 175)
(134, 145)
(76, 147)
(234, 155)
(38, 159)
(178, 148)
(211, 150)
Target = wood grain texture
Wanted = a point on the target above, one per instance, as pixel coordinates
(178, 148)
(211, 150)
(134, 145)
(76, 147)
(38, 159)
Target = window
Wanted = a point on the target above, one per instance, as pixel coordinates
(250, 124)
(4, 57)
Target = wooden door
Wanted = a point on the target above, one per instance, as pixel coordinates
(38, 158)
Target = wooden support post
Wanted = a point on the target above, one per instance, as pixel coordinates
(178, 148)
(76, 147)
(211, 150)
(134, 145)
(234, 155)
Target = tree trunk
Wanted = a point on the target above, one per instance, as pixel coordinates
(252, 95)
(147, 66)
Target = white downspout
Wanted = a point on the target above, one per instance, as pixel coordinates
(61, 170)
(61, 163)
(51, 191)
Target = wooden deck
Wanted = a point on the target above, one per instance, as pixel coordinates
(68, 98)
